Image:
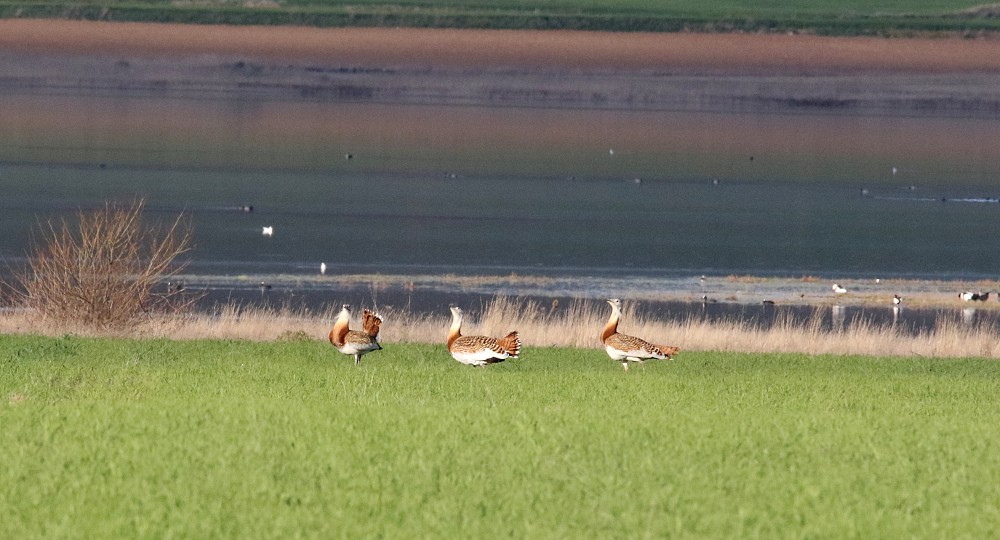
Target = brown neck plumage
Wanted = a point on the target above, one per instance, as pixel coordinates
(612, 327)
(338, 332)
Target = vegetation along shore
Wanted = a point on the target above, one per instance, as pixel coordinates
(948, 17)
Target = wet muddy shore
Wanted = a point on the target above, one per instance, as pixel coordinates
(693, 72)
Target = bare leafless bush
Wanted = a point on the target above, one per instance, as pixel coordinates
(104, 270)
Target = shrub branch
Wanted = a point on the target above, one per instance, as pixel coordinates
(105, 271)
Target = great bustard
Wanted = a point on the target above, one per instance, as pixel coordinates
(356, 342)
(480, 350)
(625, 348)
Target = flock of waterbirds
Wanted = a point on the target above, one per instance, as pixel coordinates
(485, 350)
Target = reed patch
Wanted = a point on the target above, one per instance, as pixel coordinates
(575, 324)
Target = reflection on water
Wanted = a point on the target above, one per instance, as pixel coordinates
(163, 133)
(560, 193)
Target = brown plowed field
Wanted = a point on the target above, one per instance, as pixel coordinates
(523, 50)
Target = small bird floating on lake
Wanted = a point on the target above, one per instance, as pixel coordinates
(479, 350)
(356, 342)
(268, 231)
(625, 348)
(322, 268)
(838, 289)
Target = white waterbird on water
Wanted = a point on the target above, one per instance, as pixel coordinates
(268, 231)
(322, 268)
(838, 289)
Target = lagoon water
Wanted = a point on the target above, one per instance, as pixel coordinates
(414, 189)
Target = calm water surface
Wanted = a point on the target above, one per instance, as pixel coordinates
(420, 189)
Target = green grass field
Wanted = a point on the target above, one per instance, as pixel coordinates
(116, 438)
(847, 17)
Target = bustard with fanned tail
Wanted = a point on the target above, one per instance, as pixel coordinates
(356, 342)
(480, 350)
(625, 348)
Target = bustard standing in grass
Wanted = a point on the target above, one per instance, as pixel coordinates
(480, 350)
(356, 342)
(625, 348)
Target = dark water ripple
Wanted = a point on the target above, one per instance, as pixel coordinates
(587, 203)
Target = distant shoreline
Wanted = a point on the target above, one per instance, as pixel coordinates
(728, 289)
(737, 54)
(505, 68)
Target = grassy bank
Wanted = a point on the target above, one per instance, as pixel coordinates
(121, 438)
(826, 17)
